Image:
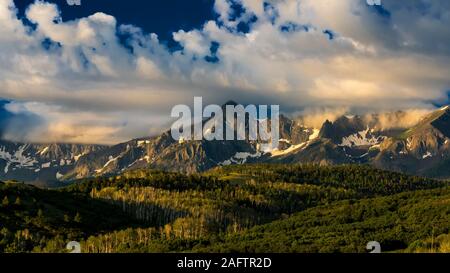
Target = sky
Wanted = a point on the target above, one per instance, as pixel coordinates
(109, 71)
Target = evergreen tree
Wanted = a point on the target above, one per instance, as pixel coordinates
(5, 201)
(77, 218)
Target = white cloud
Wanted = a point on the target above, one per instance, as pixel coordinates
(86, 80)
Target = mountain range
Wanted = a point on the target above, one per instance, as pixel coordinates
(422, 149)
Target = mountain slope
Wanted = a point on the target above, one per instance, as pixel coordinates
(397, 222)
(423, 149)
(40, 163)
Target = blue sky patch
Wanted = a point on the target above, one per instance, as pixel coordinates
(331, 35)
(160, 17)
(293, 27)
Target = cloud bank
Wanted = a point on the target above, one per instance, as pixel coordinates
(92, 80)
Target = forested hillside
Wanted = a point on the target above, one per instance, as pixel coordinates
(250, 208)
(398, 222)
(31, 218)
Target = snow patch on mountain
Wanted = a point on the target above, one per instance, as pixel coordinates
(111, 159)
(59, 176)
(7, 167)
(142, 143)
(293, 148)
(362, 138)
(18, 158)
(409, 143)
(289, 150)
(45, 150)
(240, 158)
(315, 134)
(145, 158)
(427, 155)
(77, 157)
